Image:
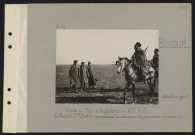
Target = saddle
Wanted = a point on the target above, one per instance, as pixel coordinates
(141, 71)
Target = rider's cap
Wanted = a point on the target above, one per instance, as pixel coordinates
(138, 44)
(89, 62)
(156, 50)
(82, 62)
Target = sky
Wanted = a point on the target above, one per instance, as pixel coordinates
(102, 46)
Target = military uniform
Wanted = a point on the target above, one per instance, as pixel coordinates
(90, 75)
(140, 58)
(73, 74)
(140, 61)
(155, 61)
(83, 76)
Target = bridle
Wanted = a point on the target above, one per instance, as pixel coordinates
(126, 66)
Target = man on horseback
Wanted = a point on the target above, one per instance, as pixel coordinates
(155, 59)
(140, 62)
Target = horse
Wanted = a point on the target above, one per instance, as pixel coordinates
(131, 77)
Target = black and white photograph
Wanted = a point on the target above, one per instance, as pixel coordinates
(97, 68)
(107, 66)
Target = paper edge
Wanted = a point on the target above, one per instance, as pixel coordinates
(11, 67)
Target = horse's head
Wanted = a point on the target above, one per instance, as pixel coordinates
(122, 64)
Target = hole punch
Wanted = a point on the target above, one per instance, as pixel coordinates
(9, 46)
(9, 102)
(9, 33)
(9, 89)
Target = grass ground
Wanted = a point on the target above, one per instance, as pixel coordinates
(110, 88)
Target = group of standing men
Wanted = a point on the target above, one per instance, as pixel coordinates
(81, 74)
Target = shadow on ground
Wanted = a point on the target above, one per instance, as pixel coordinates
(103, 96)
(88, 100)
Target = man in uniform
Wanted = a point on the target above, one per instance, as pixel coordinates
(73, 74)
(140, 61)
(90, 75)
(155, 60)
(83, 75)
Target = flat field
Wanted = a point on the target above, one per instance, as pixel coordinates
(109, 88)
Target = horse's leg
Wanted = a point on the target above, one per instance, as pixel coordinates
(125, 91)
(133, 92)
(151, 88)
(154, 81)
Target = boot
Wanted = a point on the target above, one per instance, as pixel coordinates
(143, 72)
(144, 79)
(84, 87)
(81, 87)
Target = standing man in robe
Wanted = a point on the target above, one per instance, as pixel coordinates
(73, 74)
(90, 75)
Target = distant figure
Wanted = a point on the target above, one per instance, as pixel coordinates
(155, 59)
(140, 61)
(73, 74)
(90, 75)
(83, 75)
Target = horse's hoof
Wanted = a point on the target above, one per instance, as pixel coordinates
(150, 100)
(125, 101)
(133, 102)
